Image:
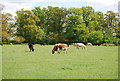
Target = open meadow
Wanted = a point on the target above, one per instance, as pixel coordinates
(94, 62)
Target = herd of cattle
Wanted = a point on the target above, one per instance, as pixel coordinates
(61, 47)
(64, 47)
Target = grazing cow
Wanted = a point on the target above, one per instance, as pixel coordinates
(75, 44)
(90, 44)
(42, 44)
(59, 47)
(30, 45)
(79, 45)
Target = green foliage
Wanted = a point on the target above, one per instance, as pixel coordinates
(106, 39)
(7, 26)
(88, 11)
(55, 17)
(55, 24)
(75, 26)
(26, 26)
(52, 21)
(111, 22)
(19, 39)
(41, 14)
(96, 37)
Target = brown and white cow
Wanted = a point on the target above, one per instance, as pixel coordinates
(60, 47)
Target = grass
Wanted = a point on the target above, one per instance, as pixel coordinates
(97, 62)
(0, 63)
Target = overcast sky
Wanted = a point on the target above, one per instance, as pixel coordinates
(11, 6)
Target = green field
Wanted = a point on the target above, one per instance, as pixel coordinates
(0, 62)
(96, 62)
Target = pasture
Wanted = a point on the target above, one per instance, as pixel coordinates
(94, 62)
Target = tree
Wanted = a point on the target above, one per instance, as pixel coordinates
(41, 14)
(101, 20)
(7, 26)
(76, 30)
(52, 21)
(110, 27)
(19, 39)
(88, 11)
(111, 22)
(54, 24)
(26, 26)
(97, 22)
(55, 19)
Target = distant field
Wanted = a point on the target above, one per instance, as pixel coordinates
(97, 62)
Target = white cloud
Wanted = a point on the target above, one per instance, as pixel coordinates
(106, 3)
(11, 6)
(51, 0)
(19, 1)
(16, 1)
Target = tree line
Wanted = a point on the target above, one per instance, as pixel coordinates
(54, 24)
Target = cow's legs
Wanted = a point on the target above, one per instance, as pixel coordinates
(58, 50)
(30, 49)
(66, 50)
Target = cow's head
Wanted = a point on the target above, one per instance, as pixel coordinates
(54, 49)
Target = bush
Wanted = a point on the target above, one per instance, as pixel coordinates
(96, 37)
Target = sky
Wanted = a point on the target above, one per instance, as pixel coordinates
(11, 6)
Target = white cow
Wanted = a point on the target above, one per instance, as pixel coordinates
(79, 45)
(90, 44)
